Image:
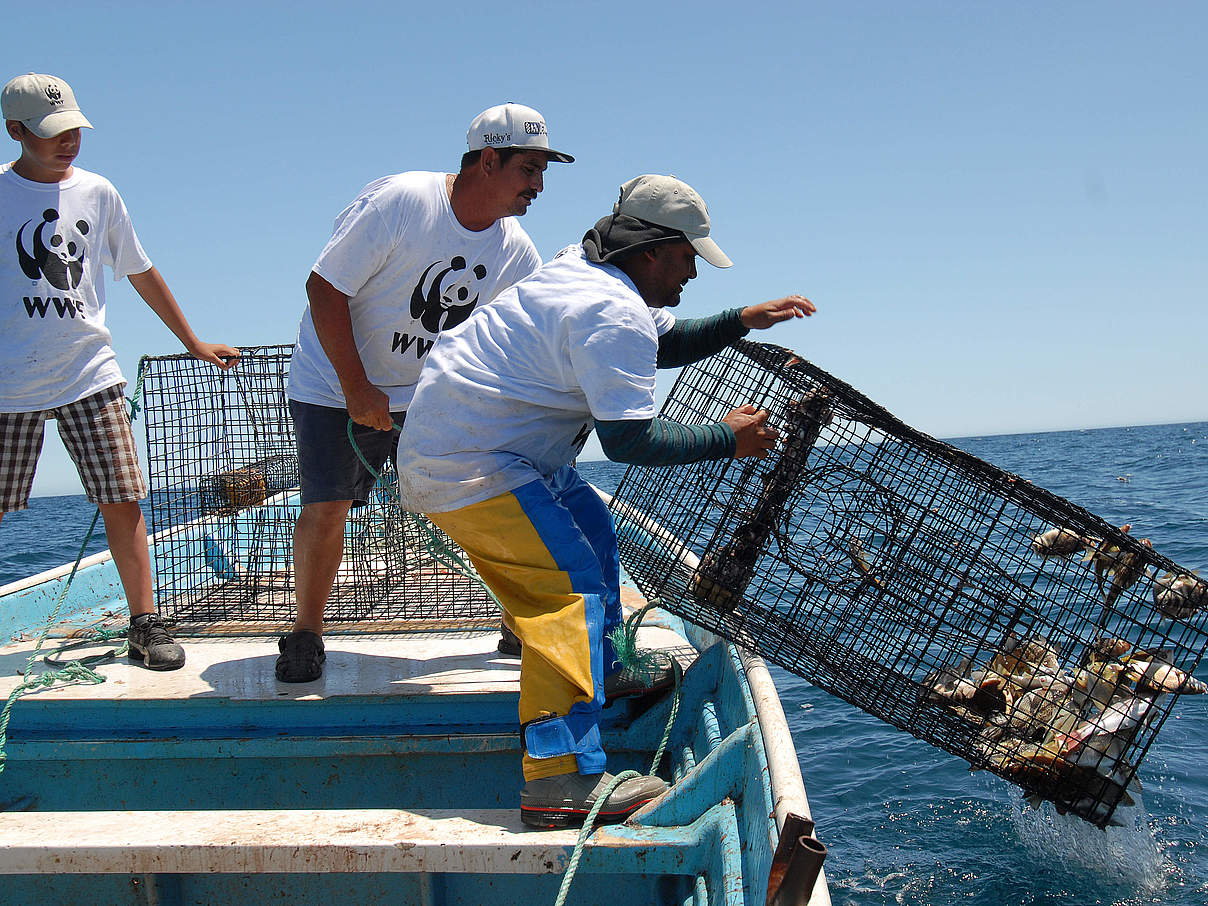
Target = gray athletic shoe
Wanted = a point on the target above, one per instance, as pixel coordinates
(151, 643)
(565, 799)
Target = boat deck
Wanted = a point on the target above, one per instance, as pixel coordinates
(236, 663)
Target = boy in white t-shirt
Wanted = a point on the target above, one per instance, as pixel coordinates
(60, 225)
(411, 257)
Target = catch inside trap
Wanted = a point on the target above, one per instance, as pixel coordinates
(933, 590)
(223, 469)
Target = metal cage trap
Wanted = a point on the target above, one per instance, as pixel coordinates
(224, 499)
(978, 612)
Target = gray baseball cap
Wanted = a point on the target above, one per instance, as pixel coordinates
(512, 126)
(44, 103)
(670, 202)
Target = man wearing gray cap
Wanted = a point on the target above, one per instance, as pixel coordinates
(503, 406)
(410, 258)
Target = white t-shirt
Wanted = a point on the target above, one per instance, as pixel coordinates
(54, 238)
(410, 271)
(514, 390)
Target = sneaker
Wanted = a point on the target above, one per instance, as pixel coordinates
(302, 656)
(656, 679)
(565, 799)
(151, 643)
(509, 643)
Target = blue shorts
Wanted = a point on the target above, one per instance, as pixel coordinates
(328, 466)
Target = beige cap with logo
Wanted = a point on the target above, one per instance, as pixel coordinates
(669, 202)
(512, 126)
(44, 103)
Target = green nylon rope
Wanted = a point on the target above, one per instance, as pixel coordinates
(585, 832)
(72, 672)
(624, 640)
(76, 670)
(439, 551)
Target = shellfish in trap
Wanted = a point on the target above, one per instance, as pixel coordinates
(927, 587)
(232, 490)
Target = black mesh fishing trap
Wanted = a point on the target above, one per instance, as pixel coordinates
(224, 499)
(932, 590)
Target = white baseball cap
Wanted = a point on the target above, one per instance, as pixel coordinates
(512, 126)
(44, 103)
(669, 202)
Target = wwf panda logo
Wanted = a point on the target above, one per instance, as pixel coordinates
(60, 259)
(439, 306)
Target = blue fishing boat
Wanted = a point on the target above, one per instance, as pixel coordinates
(393, 778)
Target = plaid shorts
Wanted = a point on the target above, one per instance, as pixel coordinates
(95, 431)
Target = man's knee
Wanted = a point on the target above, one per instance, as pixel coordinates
(323, 518)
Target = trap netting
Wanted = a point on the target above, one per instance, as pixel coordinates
(224, 499)
(931, 589)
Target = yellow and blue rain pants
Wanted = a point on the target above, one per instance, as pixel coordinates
(548, 550)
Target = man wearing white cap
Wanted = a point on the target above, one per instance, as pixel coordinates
(62, 224)
(411, 257)
(502, 408)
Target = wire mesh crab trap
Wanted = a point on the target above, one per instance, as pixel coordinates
(224, 499)
(980, 613)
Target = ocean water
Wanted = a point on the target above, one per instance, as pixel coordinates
(907, 823)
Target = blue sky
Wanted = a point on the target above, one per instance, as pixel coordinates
(1000, 209)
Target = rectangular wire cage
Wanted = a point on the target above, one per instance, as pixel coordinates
(224, 499)
(980, 613)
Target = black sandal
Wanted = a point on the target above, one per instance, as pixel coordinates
(301, 659)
